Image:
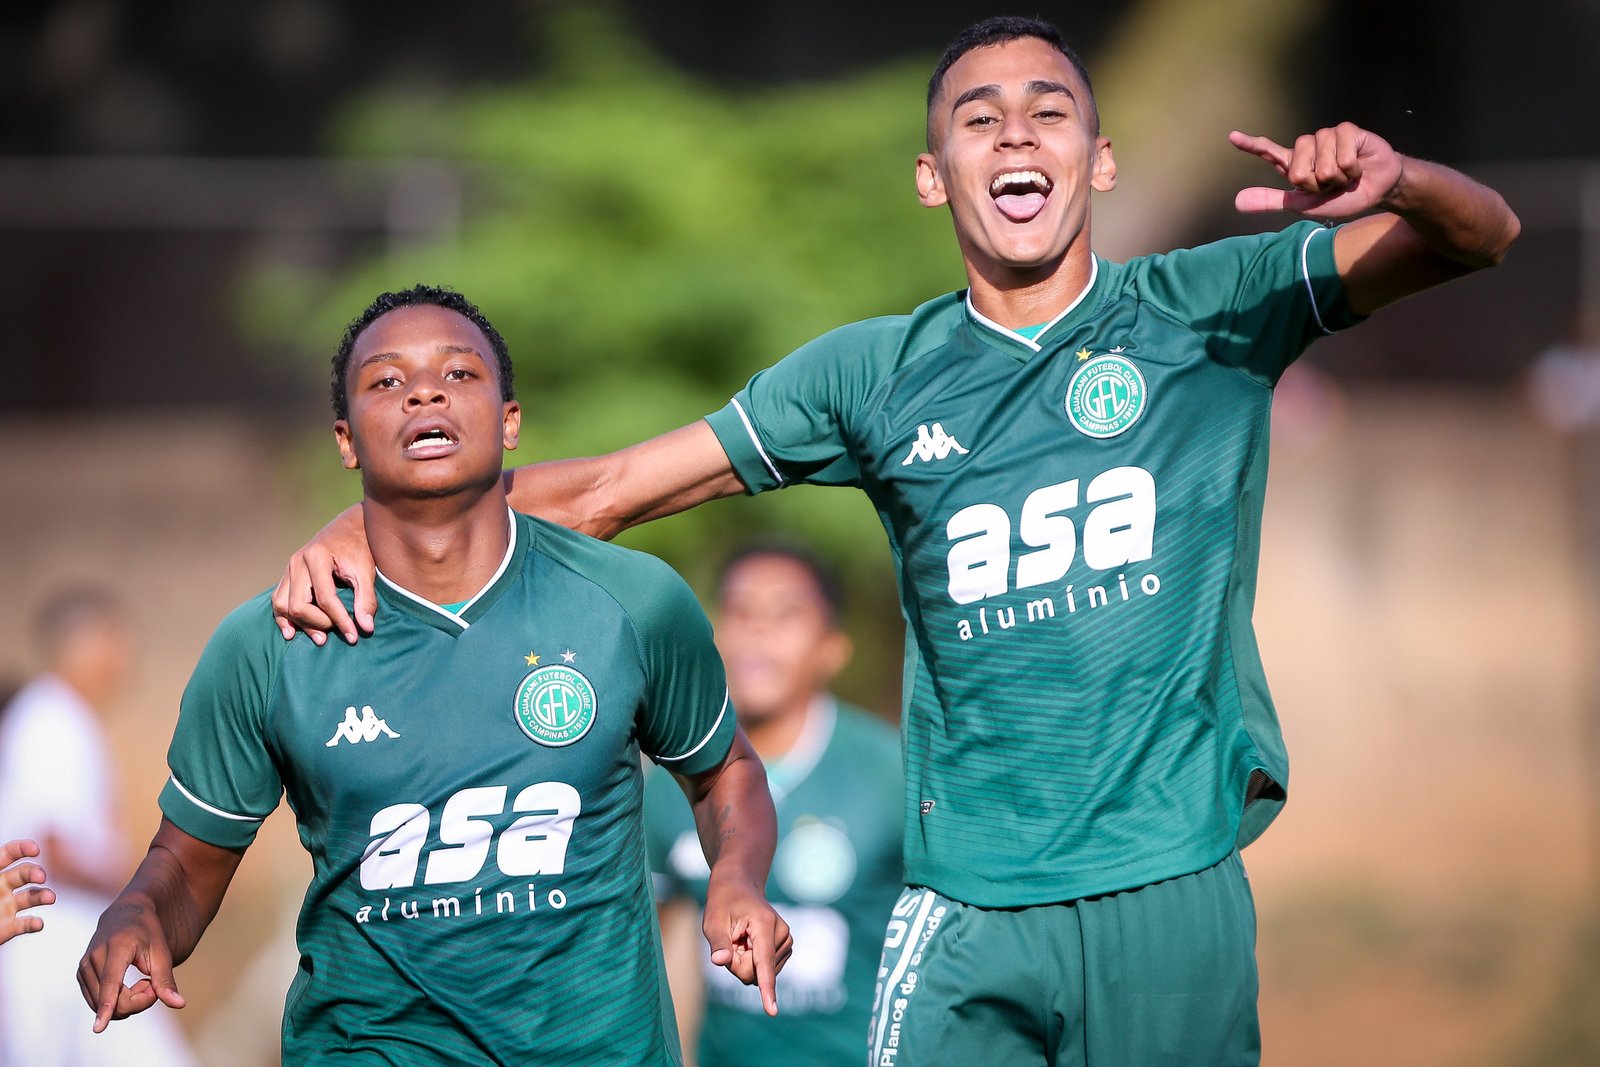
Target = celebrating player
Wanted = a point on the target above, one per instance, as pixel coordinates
(468, 782)
(1069, 459)
(834, 772)
(21, 887)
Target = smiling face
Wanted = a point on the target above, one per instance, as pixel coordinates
(1014, 150)
(426, 418)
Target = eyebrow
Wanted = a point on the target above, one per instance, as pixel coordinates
(989, 92)
(448, 349)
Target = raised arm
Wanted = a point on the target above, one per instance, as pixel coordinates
(1433, 223)
(738, 831)
(601, 496)
(154, 925)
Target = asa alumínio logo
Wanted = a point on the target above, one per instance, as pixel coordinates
(1106, 396)
(555, 705)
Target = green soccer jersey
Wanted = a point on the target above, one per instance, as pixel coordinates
(468, 786)
(1076, 523)
(835, 877)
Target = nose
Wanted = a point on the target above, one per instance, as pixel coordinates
(1016, 131)
(425, 389)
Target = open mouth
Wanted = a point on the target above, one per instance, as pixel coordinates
(1020, 194)
(432, 438)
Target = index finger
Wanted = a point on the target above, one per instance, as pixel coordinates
(1264, 147)
(108, 977)
(761, 947)
(325, 592)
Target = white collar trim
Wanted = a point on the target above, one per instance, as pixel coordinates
(455, 617)
(1033, 343)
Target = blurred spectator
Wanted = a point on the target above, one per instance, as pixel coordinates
(835, 777)
(58, 785)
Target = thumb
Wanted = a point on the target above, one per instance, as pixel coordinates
(161, 978)
(1259, 198)
(717, 936)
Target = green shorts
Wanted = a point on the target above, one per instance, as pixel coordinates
(1162, 976)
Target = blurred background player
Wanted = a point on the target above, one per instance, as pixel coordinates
(834, 773)
(58, 786)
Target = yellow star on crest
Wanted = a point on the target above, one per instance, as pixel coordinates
(1084, 353)
(532, 659)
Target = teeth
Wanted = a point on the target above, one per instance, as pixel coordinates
(432, 437)
(1031, 180)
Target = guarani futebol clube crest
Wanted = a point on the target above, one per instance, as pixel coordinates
(1106, 395)
(555, 705)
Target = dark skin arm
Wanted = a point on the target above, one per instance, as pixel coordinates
(154, 924)
(600, 496)
(738, 831)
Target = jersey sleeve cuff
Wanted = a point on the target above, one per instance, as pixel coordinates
(711, 750)
(206, 822)
(742, 443)
(1329, 302)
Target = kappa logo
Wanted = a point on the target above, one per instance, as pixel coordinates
(355, 730)
(931, 446)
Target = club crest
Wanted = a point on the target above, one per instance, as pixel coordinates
(555, 705)
(1105, 397)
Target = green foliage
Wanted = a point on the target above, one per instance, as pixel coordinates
(646, 243)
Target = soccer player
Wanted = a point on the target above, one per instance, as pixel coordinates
(1069, 458)
(834, 772)
(21, 887)
(468, 782)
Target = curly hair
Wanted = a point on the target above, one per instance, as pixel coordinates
(412, 297)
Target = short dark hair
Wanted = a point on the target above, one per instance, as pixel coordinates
(67, 611)
(1003, 29)
(822, 576)
(418, 294)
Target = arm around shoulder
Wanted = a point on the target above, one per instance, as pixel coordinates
(604, 495)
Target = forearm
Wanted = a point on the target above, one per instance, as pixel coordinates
(1458, 218)
(180, 884)
(735, 819)
(604, 495)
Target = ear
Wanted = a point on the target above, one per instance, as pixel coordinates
(511, 426)
(347, 444)
(1104, 178)
(930, 186)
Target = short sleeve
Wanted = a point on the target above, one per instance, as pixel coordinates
(1259, 300)
(224, 782)
(686, 723)
(792, 422)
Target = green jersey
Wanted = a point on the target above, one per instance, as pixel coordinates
(835, 877)
(468, 785)
(1076, 524)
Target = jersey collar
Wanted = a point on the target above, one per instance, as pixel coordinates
(1043, 337)
(456, 623)
(794, 766)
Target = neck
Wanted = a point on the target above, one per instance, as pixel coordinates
(83, 684)
(1027, 296)
(774, 735)
(444, 549)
